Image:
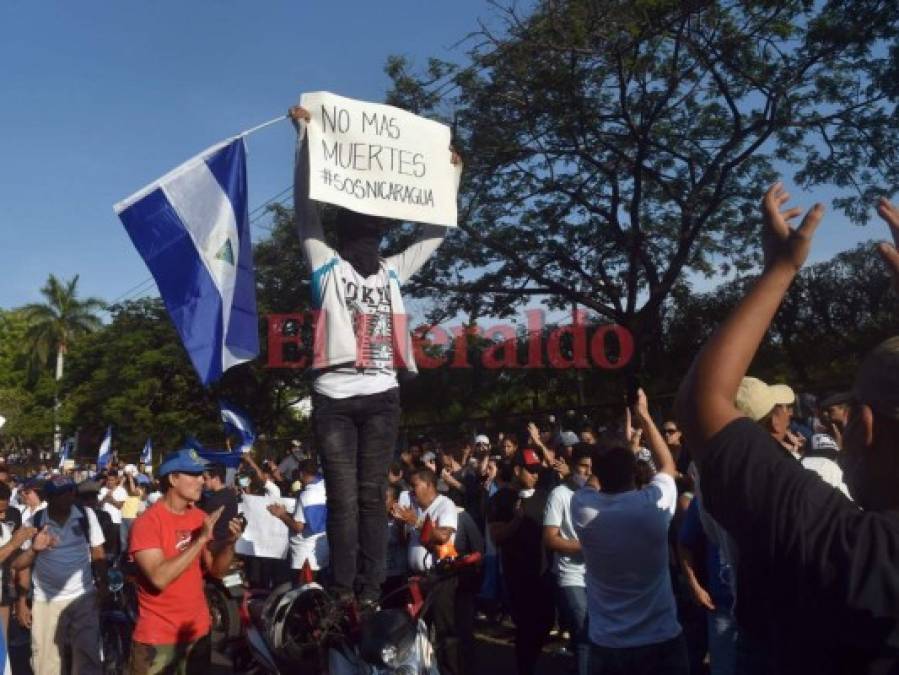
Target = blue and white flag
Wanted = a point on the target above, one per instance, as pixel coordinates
(105, 453)
(146, 455)
(64, 453)
(237, 423)
(192, 229)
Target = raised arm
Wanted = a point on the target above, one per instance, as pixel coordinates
(705, 402)
(661, 455)
(408, 262)
(308, 220)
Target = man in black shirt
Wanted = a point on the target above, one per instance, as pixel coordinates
(515, 518)
(817, 578)
(216, 494)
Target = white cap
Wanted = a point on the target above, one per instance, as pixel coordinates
(481, 438)
(755, 399)
(569, 438)
(130, 469)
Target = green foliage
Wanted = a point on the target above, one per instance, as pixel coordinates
(62, 318)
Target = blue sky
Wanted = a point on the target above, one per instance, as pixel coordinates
(100, 98)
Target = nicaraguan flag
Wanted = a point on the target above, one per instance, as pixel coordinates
(64, 453)
(146, 455)
(192, 229)
(105, 453)
(237, 423)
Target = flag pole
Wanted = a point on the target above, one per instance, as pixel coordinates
(244, 134)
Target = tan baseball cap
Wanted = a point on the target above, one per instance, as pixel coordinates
(755, 399)
(877, 380)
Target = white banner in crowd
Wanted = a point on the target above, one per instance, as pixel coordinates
(380, 160)
(265, 536)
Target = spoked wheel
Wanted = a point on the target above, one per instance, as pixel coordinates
(224, 614)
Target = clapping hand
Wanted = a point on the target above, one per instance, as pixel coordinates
(44, 540)
(404, 514)
(206, 533)
(23, 534)
(235, 529)
(277, 509)
(781, 243)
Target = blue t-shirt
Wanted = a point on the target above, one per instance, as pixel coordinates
(717, 575)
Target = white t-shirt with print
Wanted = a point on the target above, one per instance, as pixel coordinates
(624, 539)
(64, 571)
(569, 569)
(443, 513)
(368, 299)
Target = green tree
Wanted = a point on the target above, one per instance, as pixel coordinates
(56, 323)
(834, 313)
(612, 145)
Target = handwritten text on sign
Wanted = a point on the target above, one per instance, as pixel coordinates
(380, 160)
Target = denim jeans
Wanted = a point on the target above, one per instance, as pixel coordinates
(355, 438)
(573, 614)
(722, 641)
(663, 658)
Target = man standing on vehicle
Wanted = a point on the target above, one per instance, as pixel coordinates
(64, 613)
(168, 542)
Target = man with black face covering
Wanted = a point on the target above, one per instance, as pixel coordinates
(362, 338)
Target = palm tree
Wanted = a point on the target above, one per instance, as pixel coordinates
(53, 325)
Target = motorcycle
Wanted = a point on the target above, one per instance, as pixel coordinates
(304, 630)
(225, 597)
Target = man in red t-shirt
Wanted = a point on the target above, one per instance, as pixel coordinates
(168, 542)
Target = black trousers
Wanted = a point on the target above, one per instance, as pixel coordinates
(442, 615)
(663, 658)
(534, 612)
(355, 438)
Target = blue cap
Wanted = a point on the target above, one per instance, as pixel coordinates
(59, 485)
(185, 460)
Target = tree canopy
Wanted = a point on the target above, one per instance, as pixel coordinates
(613, 145)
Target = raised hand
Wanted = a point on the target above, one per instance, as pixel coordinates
(887, 251)
(297, 113)
(641, 406)
(780, 242)
(534, 433)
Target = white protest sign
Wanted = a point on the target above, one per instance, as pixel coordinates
(380, 160)
(265, 536)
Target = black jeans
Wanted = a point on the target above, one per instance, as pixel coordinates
(442, 615)
(662, 658)
(355, 438)
(533, 611)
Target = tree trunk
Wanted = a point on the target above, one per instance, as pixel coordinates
(57, 435)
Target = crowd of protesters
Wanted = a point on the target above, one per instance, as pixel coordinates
(752, 531)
